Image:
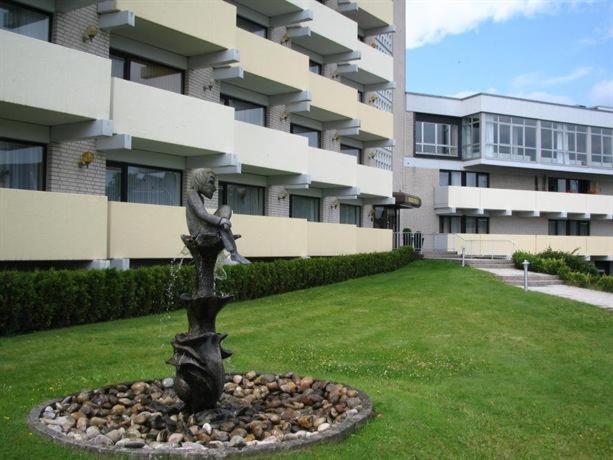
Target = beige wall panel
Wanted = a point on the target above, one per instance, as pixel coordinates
(333, 96)
(373, 240)
(381, 9)
(270, 236)
(332, 168)
(374, 181)
(331, 24)
(52, 226)
(562, 243)
(376, 62)
(375, 121)
(331, 239)
(72, 85)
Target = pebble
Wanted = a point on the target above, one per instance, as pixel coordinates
(323, 427)
(237, 379)
(134, 444)
(168, 382)
(237, 441)
(207, 428)
(97, 421)
(101, 440)
(115, 435)
(82, 424)
(175, 438)
(193, 446)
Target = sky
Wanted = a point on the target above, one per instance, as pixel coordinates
(553, 50)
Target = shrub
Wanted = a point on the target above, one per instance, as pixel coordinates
(574, 262)
(38, 300)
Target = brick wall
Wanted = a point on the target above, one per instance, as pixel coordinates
(64, 173)
(68, 30)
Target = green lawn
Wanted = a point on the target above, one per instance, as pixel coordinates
(457, 364)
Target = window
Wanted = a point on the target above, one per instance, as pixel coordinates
(569, 227)
(315, 67)
(510, 138)
(313, 135)
(25, 21)
(351, 215)
(563, 144)
(253, 27)
(243, 199)
(568, 185)
(353, 151)
(360, 96)
(464, 224)
(21, 165)
(246, 111)
(602, 147)
(471, 137)
(146, 72)
(143, 184)
(439, 139)
(463, 178)
(304, 207)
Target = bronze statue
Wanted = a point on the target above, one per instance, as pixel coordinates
(198, 354)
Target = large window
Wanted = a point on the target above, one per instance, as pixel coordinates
(563, 144)
(568, 185)
(602, 147)
(510, 138)
(21, 165)
(464, 224)
(463, 179)
(471, 137)
(246, 111)
(436, 139)
(353, 151)
(146, 72)
(25, 21)
(313, 135)
(143, 184)
(569, 227)
(304, 207)
(253, 27)
(351, 214)
(243, 199)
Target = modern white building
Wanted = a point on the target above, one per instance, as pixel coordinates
(498, 174)
(106, 106)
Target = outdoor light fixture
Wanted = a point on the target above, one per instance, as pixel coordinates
(282, 195)
(372, 99)
(90, 33)
(335, 204)
(86, 159)
(284, 116)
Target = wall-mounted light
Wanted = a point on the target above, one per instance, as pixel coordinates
(372, 154)
(86, 159)
(90, 33)
(335, 204)
(209, 86)
(372, 99)
(371, 214)
(336, 137)
(284, 116)
(282, 195)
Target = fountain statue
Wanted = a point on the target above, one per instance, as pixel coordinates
(198, 354)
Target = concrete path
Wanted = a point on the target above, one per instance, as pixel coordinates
(598, 298)
(516, 277)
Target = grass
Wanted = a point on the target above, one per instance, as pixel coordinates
(457, 364)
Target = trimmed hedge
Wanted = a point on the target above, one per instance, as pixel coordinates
(31, 301)
(572, 269)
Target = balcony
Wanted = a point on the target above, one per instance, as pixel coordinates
(163, 121)
(142, 231)
(369, 14)
(597, 247)
(374, 67)
(328, 33)
(522, 202)
(374, 182)
(186, 28)
(270, 68)
(375, 124)
(52, 226)
(331, 169)
(273, 8)
(47, 84)
(332, 100)
(266, 151)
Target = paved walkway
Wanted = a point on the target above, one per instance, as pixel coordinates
(598, 298)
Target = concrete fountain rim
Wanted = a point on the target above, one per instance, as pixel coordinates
(336, 433)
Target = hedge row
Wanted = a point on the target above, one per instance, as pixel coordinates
(31, 301)
(572, 269)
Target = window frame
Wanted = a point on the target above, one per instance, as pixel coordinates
(128, 61)
(359, 211)
(37, 10)
(318, 131)
(44, 160)
(463, 224)
(463, 179)
(225, 99)
(320, 66)
(124, 180)
(222, 198)
(493, 149)
(456, 128)
(291, 206)
(567, 225)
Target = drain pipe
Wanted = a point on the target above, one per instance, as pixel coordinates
(525, 263)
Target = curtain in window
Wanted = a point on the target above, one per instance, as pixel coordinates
(21, 165)
(350, 214)
(24, 21)
(244, 199)
(153, 186)
(305, 207)
(113, 183)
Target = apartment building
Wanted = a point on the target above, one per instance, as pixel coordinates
(106, 106)
(497, 174)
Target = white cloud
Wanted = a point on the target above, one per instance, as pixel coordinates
(429, 21)
(546, 97)
(538, 79)
(600, 36)
(602, 93)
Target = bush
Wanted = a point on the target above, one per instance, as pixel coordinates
(31, 301)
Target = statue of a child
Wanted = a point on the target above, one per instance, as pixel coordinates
(200, 223)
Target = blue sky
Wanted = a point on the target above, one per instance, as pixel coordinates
(561, 51)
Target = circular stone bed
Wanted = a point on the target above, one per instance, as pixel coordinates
(256, 413)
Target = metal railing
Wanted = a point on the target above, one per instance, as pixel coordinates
(454, 243)
(484, 248)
